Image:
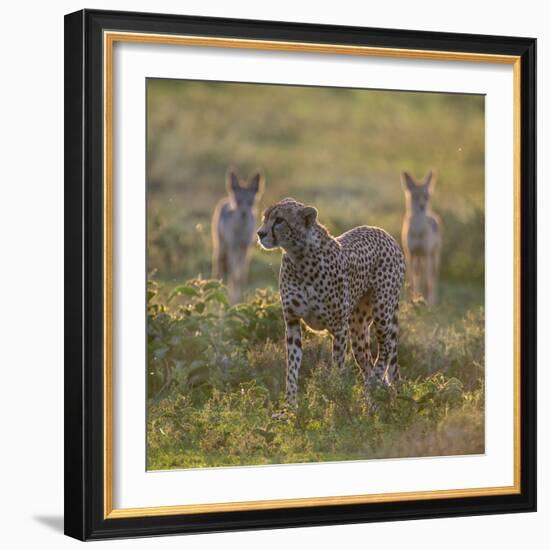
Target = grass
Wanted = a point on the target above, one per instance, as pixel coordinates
(217, 377)
(215, 372)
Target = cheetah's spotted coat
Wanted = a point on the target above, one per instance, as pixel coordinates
(346, 285)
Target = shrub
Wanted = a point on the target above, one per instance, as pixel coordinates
(202, 342)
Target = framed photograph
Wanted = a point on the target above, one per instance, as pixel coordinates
(300, 274)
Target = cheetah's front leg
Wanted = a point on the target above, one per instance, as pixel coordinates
(294, 360)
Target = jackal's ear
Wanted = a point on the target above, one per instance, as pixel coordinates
(407, 181)
(309, 215)
(256, 184)
(232, 181)
(429, 180)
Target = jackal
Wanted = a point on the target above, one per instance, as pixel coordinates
(421, 237)
(233, 231)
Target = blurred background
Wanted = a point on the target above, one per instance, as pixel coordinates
(341, 150)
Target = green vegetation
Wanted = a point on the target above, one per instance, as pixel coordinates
(216, 373)
(216, 377)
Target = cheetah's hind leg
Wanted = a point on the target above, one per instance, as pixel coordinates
(360, 322)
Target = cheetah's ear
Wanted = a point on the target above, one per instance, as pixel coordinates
(232, 181)
(309, 214)
(407, 181)
(256, 184)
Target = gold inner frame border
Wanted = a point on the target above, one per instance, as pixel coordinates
(109, 39)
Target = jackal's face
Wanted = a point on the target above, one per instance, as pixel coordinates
(244, 194)
(286, 224)
(417, 194)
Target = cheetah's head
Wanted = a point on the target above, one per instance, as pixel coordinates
(286, 224)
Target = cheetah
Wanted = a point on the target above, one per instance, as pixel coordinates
(233, 225)
(421, 237)
(345, 285)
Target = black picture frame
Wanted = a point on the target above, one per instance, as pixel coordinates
(84, 281)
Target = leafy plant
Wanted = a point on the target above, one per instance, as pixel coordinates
(197, 340)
